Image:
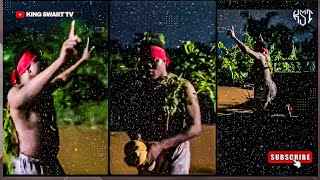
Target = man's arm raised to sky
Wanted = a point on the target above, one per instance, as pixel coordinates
(65, 74)
(18, 97)
(242, 46)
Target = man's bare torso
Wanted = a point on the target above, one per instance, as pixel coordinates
(261, 70)
(154, 122)
(36, 128)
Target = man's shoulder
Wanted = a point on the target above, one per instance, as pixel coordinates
(175, 78)
(261, 56)
(12, 92)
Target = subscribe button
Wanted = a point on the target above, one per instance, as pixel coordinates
(289, 157)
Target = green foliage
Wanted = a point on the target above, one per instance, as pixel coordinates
(283, 66)
(233, 65)
(199, 67)
(176, 96)
(9, 140)
(176, 99)
(121, 65)
(286, 45)
(87, 113)
(148, 37)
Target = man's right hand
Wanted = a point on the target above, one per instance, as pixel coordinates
(231, 33)
(69, 44)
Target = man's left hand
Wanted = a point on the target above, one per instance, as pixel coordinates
(86, 52)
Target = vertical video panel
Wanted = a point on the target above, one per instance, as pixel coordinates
(267, 89)
(1, 73)
(55, 88)
(162, 88)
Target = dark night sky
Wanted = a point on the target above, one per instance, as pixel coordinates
(189, 20)
(178, 20)
(227, 18)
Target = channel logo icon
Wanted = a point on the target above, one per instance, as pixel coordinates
(20, 14)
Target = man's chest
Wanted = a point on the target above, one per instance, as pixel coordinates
(42, 109)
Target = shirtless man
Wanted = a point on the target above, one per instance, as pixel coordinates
(32, 109)
(168, 137)
(265, 89)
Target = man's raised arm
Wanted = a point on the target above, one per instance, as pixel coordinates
(18, 97)
(242, 46)
(65, 74)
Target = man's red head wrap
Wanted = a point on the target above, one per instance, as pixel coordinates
(160, 53)
(265, 50)
(24, 62)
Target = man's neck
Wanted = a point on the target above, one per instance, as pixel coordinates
(19, 85)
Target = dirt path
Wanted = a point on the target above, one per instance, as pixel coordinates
(84, 150)
(203, 153)
(229, 96)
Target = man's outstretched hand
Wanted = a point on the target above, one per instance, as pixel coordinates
(71, 34)
(260, 37)
(68, 47)
(86, 52)
(231, 33)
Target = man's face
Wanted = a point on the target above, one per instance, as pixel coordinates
(33, 70)
(154, 68)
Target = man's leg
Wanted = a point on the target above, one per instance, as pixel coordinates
(260, 97)
(272, 91)
(181, 159)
